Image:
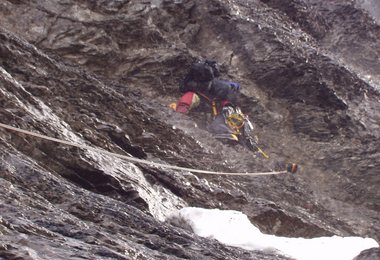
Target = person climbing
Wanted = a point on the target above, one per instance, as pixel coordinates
(201, 83)
(196, 84)
(202, 90)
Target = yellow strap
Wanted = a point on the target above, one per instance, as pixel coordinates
(214, 111)
(262, 152)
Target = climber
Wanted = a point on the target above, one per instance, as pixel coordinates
(204, 92)
(201, 83)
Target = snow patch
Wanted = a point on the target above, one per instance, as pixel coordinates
(234, 228)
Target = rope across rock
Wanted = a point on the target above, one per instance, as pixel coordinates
(291, 168)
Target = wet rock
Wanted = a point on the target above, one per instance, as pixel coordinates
(369, 254)
(101, 74)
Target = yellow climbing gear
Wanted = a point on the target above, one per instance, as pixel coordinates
(262, 152)
(173, 105)
(235, 121)
(214, 110)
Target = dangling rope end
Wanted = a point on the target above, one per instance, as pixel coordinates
(292, 168)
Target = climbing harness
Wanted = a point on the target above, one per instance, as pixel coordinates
(289, 169)
(212, 101)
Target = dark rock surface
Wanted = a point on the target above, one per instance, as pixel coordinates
(102, 73)
(369, 254)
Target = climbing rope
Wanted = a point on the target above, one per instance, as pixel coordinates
(136, 160)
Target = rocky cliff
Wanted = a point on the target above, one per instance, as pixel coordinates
(102, 73)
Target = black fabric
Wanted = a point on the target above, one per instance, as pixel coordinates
(201, 71)
(224, 90)
(214, 66)
(202, 79)
(199, 78)
(195, 86)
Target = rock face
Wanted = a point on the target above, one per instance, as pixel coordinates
(369, 254)
(102, 73)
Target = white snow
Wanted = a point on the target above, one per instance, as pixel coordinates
(234, 228)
